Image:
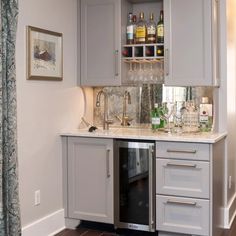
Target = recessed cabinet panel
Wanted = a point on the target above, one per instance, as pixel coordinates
(90, 179)
(100, 42)
(182, 150)
(182, 215)
(188, 43)
(182, 178)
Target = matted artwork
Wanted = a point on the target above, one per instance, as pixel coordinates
(44, 54)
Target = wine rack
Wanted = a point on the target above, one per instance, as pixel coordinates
(143, 52)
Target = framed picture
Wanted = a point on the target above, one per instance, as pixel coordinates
(44, 54)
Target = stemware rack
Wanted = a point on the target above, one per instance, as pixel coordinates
(145, 64)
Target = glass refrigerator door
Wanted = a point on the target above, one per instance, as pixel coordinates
(134, 185)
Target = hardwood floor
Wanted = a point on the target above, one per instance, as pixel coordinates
(86, 231)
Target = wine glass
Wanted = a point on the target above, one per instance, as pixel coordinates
(150, 73)
(167, 112)
(178, 116)
(130, 72)
(140, 73)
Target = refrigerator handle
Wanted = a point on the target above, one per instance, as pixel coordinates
(151, 188)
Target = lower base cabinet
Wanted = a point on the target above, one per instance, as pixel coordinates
(189, 184)
(90, 179)
(189, 188)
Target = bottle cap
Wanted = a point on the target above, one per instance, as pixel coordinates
(151, 16)
(141, 15)
(205, 100)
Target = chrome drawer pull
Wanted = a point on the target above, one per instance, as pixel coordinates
(116, 63)
(182, 165)
(182, 151)
(181, 202)
(107, 163)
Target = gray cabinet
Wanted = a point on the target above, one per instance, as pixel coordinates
(100, 42)
(191, 43)
(188, 179)
(90, 179)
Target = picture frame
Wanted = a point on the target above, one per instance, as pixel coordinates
(44, 54)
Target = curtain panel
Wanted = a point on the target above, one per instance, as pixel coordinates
(9, 197)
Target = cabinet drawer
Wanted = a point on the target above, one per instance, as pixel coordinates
(182, 215)
(181, 150)
(182, 178)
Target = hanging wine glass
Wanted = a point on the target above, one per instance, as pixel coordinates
(150, 73)
(130, 72)
(140, 73)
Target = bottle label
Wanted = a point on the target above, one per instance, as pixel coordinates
(130, 32)
(160, 31)
(156, 120)
(204, 118)
(151, 30)
(140, 33)
(151, 39)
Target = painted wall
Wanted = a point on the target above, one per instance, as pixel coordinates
(231, 94)
(45, 108)
(226, 96)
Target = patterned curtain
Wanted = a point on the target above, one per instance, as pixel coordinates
(9, 199)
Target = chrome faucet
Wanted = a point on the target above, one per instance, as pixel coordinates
(126, 100)
(106, 120)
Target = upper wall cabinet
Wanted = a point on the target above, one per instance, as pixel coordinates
(100, 42)
(191, 43)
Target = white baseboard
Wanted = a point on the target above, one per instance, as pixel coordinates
(46, 226)
(229, 213)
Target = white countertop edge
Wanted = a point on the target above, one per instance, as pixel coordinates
(148, 135)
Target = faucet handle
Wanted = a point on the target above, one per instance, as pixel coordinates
(126, 121)
(109, 121)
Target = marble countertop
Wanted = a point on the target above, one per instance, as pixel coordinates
(147, 134)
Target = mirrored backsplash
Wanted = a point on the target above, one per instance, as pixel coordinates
(137, 102)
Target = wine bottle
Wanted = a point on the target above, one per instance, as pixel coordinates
(151, 30)
(141, 29)
(160, 51)
(160, 29)
(127, 52)
(149, 51)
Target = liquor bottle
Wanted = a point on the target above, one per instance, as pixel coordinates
(160, 29)
(205, 116)
(155, 118)
(130, 30)
(141, 29)
(135, 26)
(151, 30)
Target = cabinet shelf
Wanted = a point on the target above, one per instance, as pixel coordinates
(143, 45)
